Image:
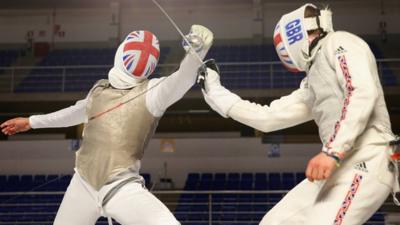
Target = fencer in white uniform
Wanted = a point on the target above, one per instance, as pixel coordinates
(106, 180)
(354, 173)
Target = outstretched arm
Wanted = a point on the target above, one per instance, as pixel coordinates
(164, 92)
(285, 112)
(169, 90)
(282, 113)
(70, 116)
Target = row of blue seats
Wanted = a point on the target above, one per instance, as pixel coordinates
(241, 216)
(243, 176)
(51, 80)
(221, 216)
(249, 223)
(71, 83)
(243, 53)
(27, 218)
(57, 80)
(224, 212)
(244, 181)
(41, 80)
(45, 208)
(38, 219)
(40, 199)
(8, 56)
(86, 57)
(236, 208)
(94, 51)
(252, 210)
(183, 223)
(232, 198)
(225, 207)
(234, 218)
(84, 81)
(34, 182)
(13, 183)
(233, 76)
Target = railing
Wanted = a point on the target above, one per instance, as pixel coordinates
(213, 207)
(234, 75)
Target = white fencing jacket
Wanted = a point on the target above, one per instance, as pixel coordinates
(341, 93)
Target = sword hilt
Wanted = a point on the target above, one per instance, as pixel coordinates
(202, 72)
(395, 142)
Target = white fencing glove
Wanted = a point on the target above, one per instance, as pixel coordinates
(218, 97)
(200, 38)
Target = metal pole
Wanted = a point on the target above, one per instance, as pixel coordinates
(209, 209)
(380, 72)
(63, 80)
(271, 72)
(12, 79)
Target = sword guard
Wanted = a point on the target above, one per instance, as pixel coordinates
(395, 142)
(202, 72)
(201, 76)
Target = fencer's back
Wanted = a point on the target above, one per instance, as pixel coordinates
(114, 141)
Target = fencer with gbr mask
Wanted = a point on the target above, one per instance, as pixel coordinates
(353, 174)
(106, 180)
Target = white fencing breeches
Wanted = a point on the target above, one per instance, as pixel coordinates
(131, 205)
(350, 197)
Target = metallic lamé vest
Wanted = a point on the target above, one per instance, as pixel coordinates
(113, 142)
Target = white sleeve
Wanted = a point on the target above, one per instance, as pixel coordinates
(163, 92)
(285, 112)
(67, 117)
(355, 69)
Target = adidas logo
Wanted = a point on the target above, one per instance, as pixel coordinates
(362, 166)
(340, 50)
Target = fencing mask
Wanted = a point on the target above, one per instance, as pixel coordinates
(291, 39)
(136, 58)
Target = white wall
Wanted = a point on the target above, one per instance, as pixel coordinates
(192, 155)
(84, 25)
(233, 20)
(15, 24)
(226, 21)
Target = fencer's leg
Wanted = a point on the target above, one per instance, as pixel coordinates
(78, 206)
(356, 191)
(133, 205)
(293, 208)
(349, 197)
(350, 203)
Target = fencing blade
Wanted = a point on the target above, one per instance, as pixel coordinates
(178, 29)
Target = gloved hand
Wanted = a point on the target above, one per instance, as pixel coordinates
(200, 38)
(218, 97)
(202, 71)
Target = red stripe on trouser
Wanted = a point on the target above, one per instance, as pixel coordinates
(348, 200)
